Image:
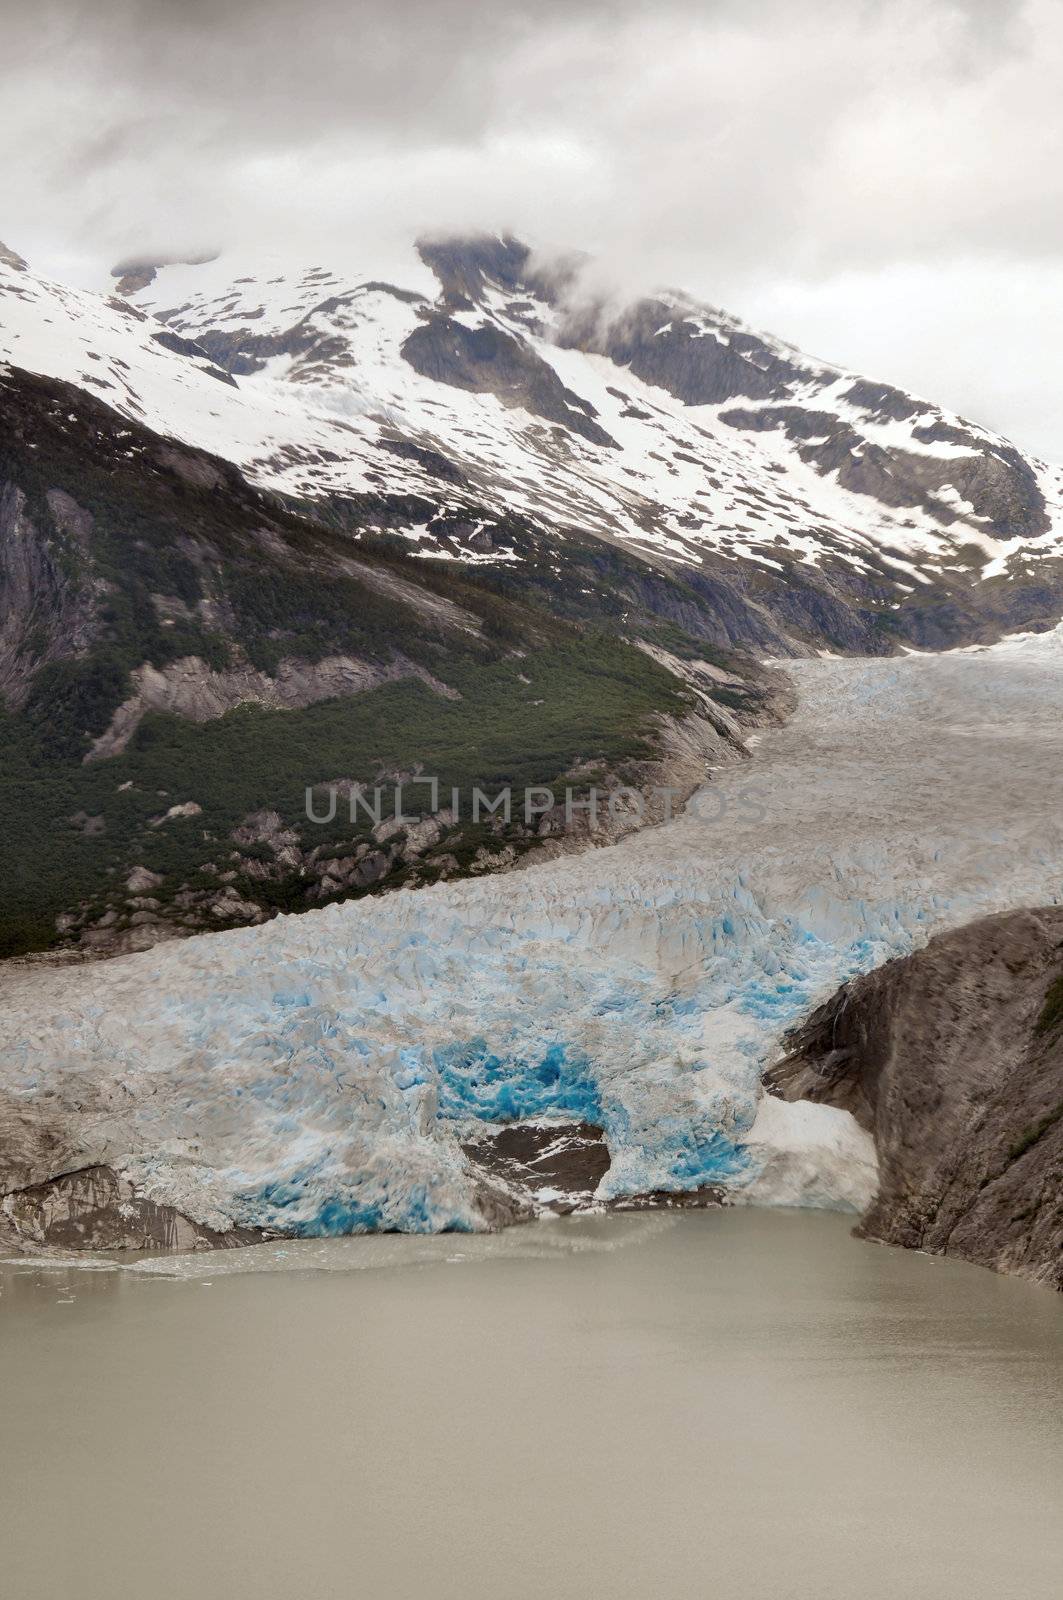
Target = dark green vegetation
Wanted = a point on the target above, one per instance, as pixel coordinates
(595, 700)
(1052, 1010)
(160, 554)
(231, 566)
(1035, 1131)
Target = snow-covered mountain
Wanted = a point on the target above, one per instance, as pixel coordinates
(665, 424)
(485, 407)
(251, 517)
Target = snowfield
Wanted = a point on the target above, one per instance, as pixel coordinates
(317, 1073)
(324, 389)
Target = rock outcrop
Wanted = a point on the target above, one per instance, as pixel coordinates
(190, 688)
(47, 605)
(953, 1059)
(542, 1165)
(488, 360)
(97, 1209)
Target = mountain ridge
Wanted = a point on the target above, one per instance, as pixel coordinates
(252, 519)
(488, 387)
(182, 657)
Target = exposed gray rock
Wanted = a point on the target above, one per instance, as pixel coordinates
(11, 259)
(672, 1199)
(993, 478)
(141, 879)
(190, 688)
(266, 827)
(465, 266)
(557, 1167)
(137, 272)
(315, 351)
(953, 1059)
(488, 360)
(47, 599)
(231, 907)
(439, 465)
(190, 347)
(550, 1166)
(882, 402)
(668, 346)
(97, 1209)
(88, 826)
(185, 808)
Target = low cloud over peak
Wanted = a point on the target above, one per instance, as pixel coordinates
(903, 163)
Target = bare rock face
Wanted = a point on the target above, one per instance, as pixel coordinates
(488, 360)
(190, 688)
(953, 1059)
(47, 612)
(546, 1166)
(96, 1209)
(996, 484)
(11, 259)
(137, 272)
(542, 1165)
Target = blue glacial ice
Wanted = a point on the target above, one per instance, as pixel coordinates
(318, 1073)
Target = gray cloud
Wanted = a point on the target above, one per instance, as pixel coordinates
(886, 159)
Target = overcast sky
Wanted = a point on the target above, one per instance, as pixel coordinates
(878, 181)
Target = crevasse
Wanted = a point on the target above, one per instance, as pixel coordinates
(317, 1073)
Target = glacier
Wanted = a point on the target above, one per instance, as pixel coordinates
(317, 1074)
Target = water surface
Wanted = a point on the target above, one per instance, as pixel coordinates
(699, 1405)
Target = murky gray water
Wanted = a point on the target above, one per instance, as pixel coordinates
(715, 1403)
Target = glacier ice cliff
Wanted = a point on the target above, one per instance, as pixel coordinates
(319, 1074)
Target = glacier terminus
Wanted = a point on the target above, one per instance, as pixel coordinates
(321, 1074)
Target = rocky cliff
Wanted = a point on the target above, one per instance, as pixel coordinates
(182, 658)
(953, 1059)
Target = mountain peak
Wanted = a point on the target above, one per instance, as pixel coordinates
(10, 258)
(137, 272)
(466, 263)
(470, 382)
